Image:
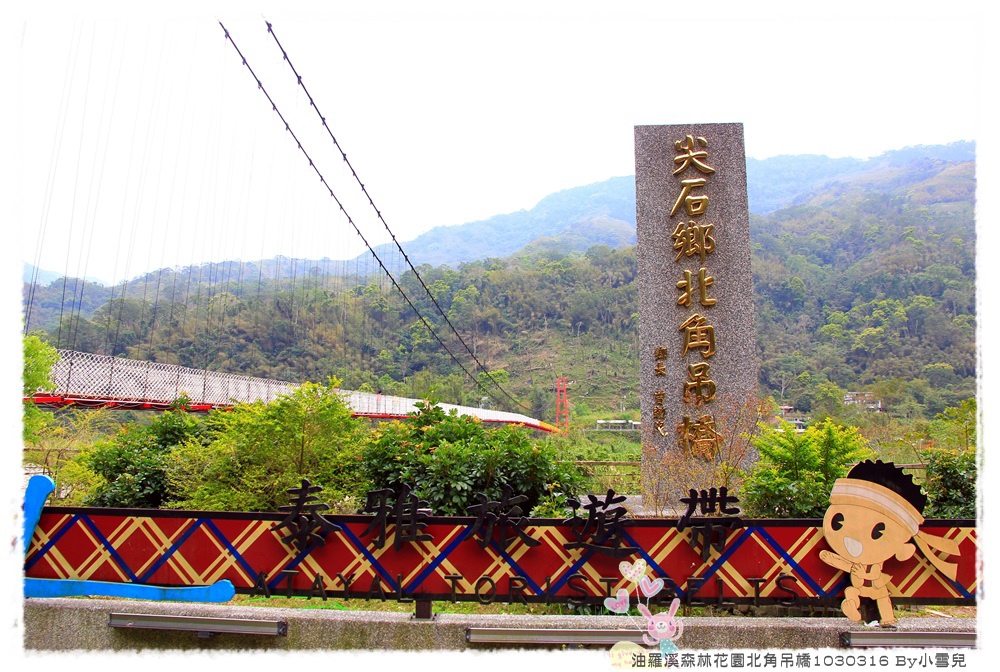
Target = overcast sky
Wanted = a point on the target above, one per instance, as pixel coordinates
(145, 142)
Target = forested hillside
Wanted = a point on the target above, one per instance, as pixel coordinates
(866, 284)
(871, 286)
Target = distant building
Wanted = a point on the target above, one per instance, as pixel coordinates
(798, 423)
(617, 426)
(866, 399)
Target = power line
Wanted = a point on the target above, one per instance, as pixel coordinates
(288, 128)
(378, 213)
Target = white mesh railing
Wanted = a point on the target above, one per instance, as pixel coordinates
(100, 377)
(82, 374)
(375, 405)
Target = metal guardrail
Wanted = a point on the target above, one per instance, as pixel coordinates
(551, 636)
(891, 638)
(608, 638)
(619, 476)
(204, 626)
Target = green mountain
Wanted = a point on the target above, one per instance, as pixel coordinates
(772, 184)
(863, 284)
(556, 215)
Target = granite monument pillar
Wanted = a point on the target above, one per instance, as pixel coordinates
(696, 312)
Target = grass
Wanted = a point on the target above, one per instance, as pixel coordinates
(474, 608)
(443, 607)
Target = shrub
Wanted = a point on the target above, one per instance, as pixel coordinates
(448, 458)
(253, 453)
(950, 483)
(130, 466)
(128, 469)
(39, 357)
(796, 472)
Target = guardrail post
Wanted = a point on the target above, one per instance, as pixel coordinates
(423, 610)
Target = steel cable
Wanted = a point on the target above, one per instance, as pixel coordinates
(378, 213)
(274, 107)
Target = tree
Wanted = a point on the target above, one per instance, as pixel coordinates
(131, 469)
(130, 466)
(955, 426)
(61, 446)
(39, 358)
(837, 448)
(487, 382)
(463, 314)
(828, 400)
(796, 470)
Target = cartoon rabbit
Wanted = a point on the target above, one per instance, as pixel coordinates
(661, 626)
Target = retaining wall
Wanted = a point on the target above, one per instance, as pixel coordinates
(61, 624)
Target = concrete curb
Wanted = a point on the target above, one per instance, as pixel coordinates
(67, 624)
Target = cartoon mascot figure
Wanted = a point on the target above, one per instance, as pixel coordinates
(874, 514)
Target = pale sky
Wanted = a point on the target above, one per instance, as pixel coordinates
(145, 143)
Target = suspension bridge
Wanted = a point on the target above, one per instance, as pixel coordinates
(106, 379)
(86, 380)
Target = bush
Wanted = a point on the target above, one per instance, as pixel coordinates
(950, 483)
(131, 470)
(448, 458)
(796, 472)
(131, 465)
(251, 455)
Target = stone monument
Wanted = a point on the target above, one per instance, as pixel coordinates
(696, 312)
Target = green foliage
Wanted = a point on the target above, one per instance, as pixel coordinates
(249, 456)
(128, 469)
(955, 427)
(796, 471)
(837, 449)
(950, 477)
(551, 506)
(950, 483)
(131, 469)
(77, 482)
(58, 450)
(448, 458)
(39, 357)
(784, 483)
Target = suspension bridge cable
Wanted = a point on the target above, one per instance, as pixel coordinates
(177, 255)
(57, 146)
(167, 229)
(192, 304)
(260, 266)
(84, 258)
(154, 109)
(109, 348)
(149, 254)
(216, 298)
(340, 205)
(76, 185)
(312, 103)
(238, 296)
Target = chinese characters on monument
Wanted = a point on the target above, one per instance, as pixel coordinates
(696, 328)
